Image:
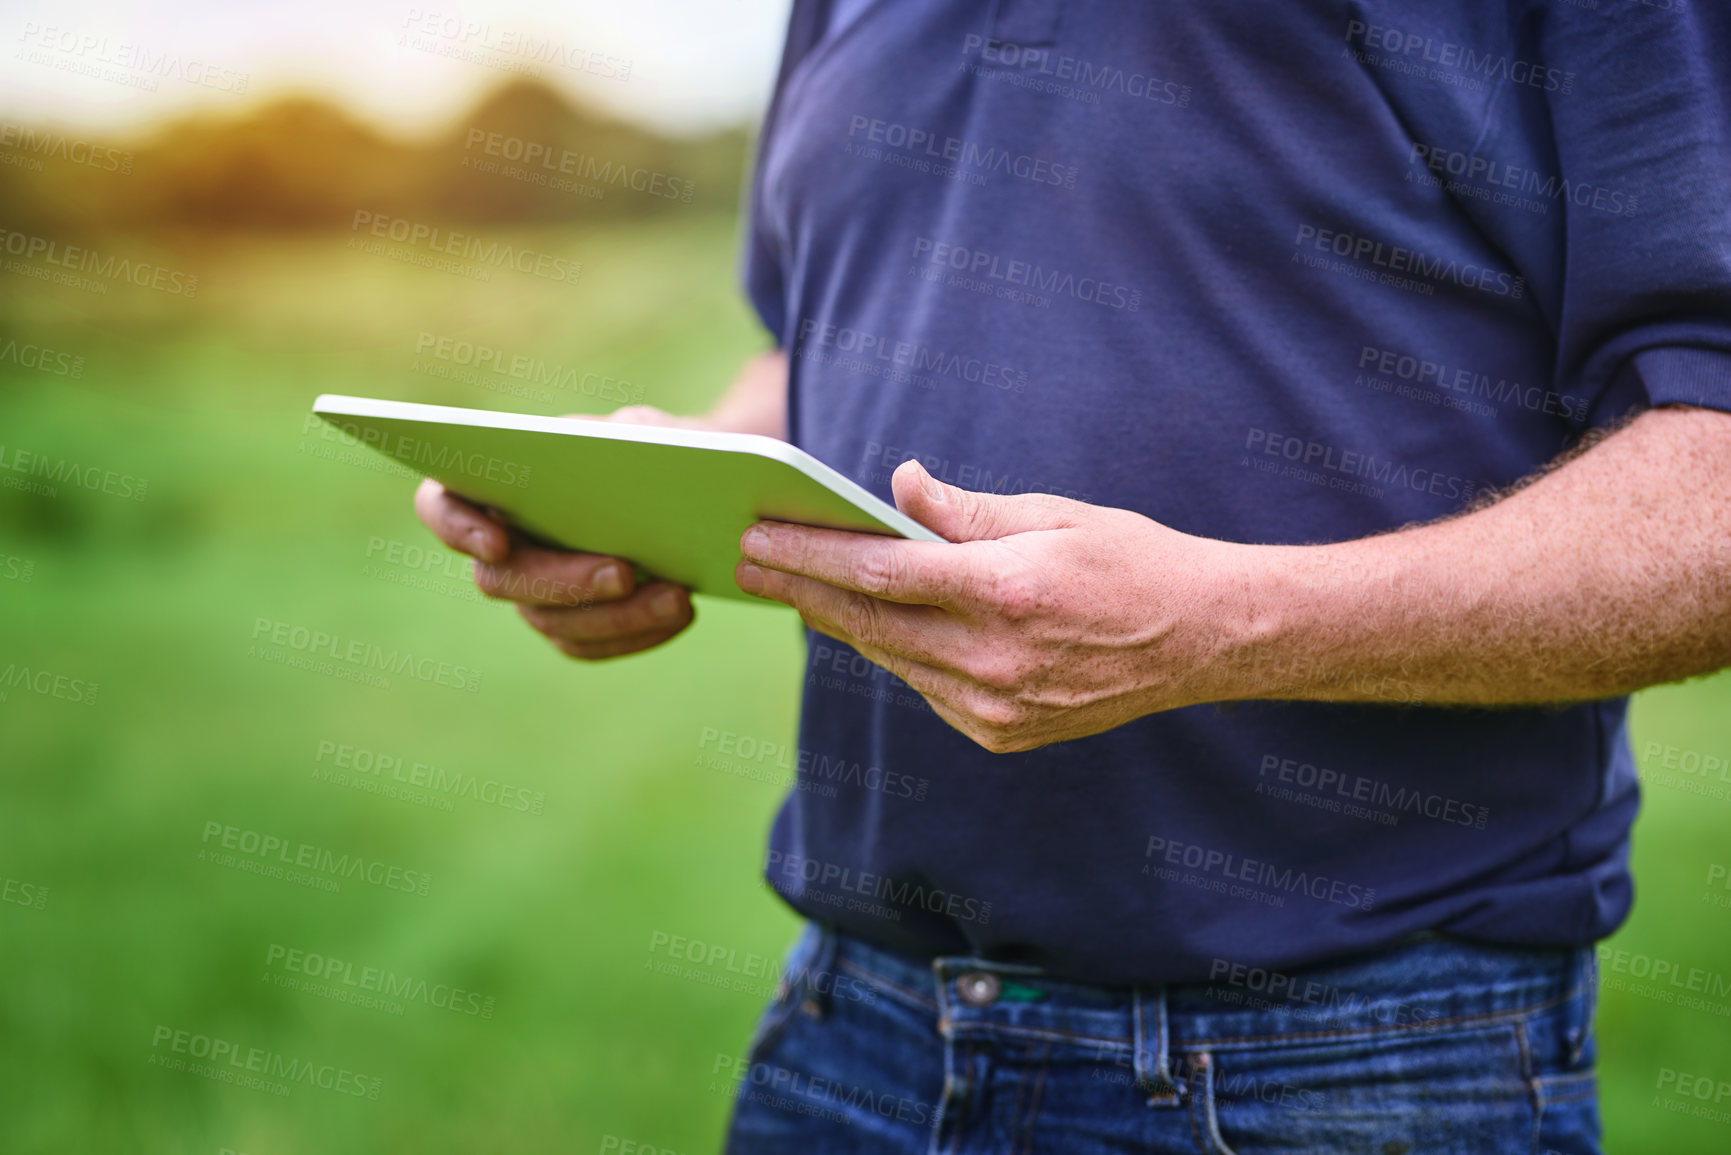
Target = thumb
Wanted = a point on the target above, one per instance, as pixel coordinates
(967, 515)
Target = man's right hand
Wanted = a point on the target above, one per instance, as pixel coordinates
(587, 604)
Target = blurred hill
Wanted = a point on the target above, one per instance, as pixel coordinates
(524, 153)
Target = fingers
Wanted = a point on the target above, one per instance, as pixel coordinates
(656, 607)
(647, 618)
(616, 648)
(529, 573)
(966, 515)
(585, 603)
(459, 524)
(551, 577)
(995, 721)
(917, 633)
(890, 568)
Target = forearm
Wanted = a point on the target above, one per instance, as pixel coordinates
(756, 402)
(1610, 573)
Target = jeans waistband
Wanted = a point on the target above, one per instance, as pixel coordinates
(1430, 984)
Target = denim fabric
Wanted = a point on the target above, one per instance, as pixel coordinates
(1435, 1048)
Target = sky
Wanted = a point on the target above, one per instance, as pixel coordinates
(678, 65)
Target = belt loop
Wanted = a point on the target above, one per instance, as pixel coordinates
(1153, 1065)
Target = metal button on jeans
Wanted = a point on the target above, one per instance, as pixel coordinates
(977, 988)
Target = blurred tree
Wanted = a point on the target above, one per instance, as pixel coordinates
(524, 153)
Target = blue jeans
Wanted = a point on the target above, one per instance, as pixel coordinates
(1436, 1047)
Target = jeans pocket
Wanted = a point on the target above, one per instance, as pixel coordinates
(769, 1027)
(1565, 1080)
(1457, 1091)
(1569, 1113)
(789, 991)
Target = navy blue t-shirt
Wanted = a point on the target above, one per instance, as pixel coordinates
(1281, 271)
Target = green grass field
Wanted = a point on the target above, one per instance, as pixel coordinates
(549, 924)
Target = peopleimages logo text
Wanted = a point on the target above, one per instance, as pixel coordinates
(1258, 873)
(83, 259)
(467, 246)
(1087, 73)
(60, 471)
(878, 351)
(1354, 463)
(1484, 170)
(563, 162)
(1025, 274)
(263, 1063)
(1400, 259)
(366, 655)
(375, 980)
(835, 877)
(309, 856)
(1358, 788)
(1457, 379)
(1459, 57)
(41, 359)
(48, 684)
(59, 146)
(430, 458)
(982, 158)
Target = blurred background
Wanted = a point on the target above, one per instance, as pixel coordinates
(519, 916)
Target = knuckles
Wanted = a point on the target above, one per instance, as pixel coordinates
(859, 618)
(491, 580)
(1014, 594)
(997, 719)
(881, 569)
(1004, 671)
(1000, 724)
(1002, 741)
(999, 715)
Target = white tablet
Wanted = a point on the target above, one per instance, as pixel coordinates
(673, 501)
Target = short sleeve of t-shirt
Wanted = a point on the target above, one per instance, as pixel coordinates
(1647, 290)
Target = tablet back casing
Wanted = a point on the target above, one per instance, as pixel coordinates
(674, 502)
